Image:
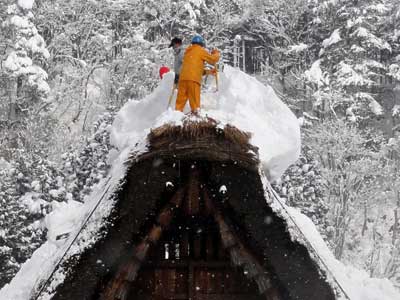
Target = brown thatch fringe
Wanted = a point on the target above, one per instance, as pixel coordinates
(200, 139)
(198, 129)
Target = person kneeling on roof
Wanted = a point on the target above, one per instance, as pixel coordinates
(191, 73)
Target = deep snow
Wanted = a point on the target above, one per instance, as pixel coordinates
(241, 101)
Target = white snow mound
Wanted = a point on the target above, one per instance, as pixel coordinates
(241, 101)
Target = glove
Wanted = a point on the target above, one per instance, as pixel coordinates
(214, 51)
(210, 72)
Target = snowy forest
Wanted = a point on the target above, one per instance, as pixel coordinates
(67, 66)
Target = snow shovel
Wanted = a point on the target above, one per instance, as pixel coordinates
(216, 79)
(174, 87)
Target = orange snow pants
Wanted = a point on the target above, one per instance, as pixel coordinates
(188, 89)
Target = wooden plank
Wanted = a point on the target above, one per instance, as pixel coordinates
(197, 246)
(229, 284)
(181, 283)
(141, 250)
(132, 271)
(208, 205)
(193, 193)
(263, 283)
(219, 280)
(158, 283)
(209, 247)
(186, 262)
(185, 246)
(169, 276)
(155, 234)
(165, 217)
(191, 285)
(227, 238)
(177, 198)
(272, 294)
(200, 281)
(212, 282)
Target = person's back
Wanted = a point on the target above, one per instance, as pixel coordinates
(193, 62)
(191, 73)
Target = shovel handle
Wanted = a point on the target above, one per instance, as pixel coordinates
(174, 86)
(216, 77)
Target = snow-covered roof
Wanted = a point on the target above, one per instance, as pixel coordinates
(241, 101)
(351, 283)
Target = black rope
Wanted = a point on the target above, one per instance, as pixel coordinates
(308, 242)
(73, 241)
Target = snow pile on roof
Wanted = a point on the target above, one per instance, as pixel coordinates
(352, 283)
(241, 101)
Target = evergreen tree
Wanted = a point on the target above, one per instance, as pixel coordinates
(25, 53)
(85, 168)
(27, 189)
(302, 186)
(352, 57)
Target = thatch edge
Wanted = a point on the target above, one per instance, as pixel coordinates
(297, 235)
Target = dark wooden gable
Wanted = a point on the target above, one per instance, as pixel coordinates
(190, 252)
(175, 233)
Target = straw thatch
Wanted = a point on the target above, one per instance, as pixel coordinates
(201, 140)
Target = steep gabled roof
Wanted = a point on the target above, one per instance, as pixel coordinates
(246, 221)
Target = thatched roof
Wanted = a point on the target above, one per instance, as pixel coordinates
(198, 159)
(202, 140)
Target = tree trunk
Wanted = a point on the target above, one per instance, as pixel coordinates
(396, 220)
(12, 94)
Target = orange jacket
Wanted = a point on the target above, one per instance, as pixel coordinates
(193, 62)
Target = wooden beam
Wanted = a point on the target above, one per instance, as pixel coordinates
(241, 256)
(192, 206)
(118, 288)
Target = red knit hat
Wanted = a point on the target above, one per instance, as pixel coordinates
(163, 70)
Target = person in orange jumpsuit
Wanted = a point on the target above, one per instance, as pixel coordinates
(191, 73)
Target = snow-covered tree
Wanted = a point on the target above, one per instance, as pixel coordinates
(352, 58)
(349, 170)
(302, 186)
(28, 186)
(25, 54)
(85, 168)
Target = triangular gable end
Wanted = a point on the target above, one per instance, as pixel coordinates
(195, 201)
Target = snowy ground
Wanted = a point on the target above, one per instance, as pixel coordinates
(241, 101)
